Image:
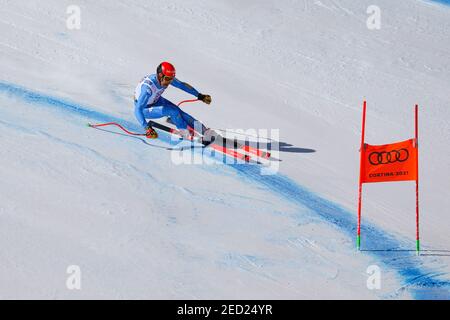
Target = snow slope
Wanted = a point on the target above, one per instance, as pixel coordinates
(140, 226)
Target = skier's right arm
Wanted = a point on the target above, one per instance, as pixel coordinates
(141, 104)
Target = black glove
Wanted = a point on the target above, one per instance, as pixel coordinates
(206, 98)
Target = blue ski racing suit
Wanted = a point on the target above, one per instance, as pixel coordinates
(149, 104)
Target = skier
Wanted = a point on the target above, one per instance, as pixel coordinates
(149, 104)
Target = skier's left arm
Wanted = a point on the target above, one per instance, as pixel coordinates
(190, 89)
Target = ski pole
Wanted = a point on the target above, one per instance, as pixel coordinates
(125, 130)
(187, 101)
(117, 125)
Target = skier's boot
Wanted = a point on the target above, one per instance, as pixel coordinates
(209, 136)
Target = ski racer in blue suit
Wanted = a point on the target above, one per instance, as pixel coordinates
(149, 104)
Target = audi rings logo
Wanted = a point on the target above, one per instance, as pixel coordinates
(377, 158)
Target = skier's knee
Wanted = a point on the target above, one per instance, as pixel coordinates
(173, 111)
(175, 115)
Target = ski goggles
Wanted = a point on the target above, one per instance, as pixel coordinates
(166, 78)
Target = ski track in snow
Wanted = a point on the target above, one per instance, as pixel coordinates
(418, 279)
